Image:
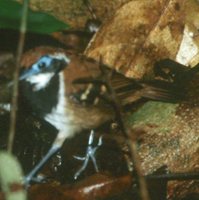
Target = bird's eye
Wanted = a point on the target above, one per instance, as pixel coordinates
(42, 65)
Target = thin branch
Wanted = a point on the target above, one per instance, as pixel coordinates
(131, 143)
(16, 75)
(175, 176)
(90, 9)
(141, 179)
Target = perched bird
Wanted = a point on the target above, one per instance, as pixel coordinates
(69, 92)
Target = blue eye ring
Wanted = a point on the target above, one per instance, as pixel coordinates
(42, 65)
(45, 64)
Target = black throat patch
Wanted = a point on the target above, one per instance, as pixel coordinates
(40, 102)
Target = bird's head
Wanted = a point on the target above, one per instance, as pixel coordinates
(44, 69)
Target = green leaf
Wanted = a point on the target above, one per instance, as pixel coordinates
(11, 174)
(38, 22)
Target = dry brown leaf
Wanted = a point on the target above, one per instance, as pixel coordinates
(95, 187)
(75, 12)
(142, 32)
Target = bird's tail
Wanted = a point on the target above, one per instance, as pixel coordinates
(154, 90)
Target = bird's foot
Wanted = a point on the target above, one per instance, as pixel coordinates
(90, 155)
(29, 179)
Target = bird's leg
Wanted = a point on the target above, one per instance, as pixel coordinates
(90, 154)
(30, 177)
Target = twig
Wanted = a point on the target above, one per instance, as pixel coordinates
(144, 194)
(16, 75)
(90, 9)
(175, 176)
(141, 179)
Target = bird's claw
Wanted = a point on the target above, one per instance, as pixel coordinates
(90, 154)
(28, 179)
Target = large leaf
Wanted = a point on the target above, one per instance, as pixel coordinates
(10, 18)
(151, 31)
(10, 177)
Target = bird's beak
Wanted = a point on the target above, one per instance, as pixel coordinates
(26, 74)
(23, 75)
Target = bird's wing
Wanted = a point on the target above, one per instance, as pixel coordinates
(126, 90)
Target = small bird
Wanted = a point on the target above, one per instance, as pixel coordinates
(69, 91)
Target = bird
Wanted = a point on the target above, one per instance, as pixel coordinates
(68, 91)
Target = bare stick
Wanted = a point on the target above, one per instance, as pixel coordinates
(131, 143)
(16, 75)
(90, 9)
(141, 179)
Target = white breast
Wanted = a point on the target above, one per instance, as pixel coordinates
(60, 116)
(40, 81)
